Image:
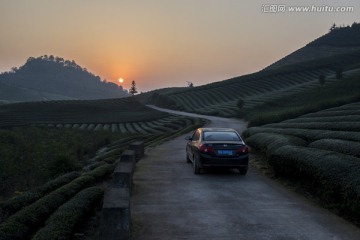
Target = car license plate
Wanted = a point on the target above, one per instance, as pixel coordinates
(225, 152)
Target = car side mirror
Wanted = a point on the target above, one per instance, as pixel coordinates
(189, 138)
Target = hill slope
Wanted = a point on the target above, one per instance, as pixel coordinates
(339, 40)
(270, 85)
(53, 78)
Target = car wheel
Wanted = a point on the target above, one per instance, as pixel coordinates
(187, 158)
(196, 166)
(243, 170)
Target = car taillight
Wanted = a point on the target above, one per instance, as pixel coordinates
(242, 149)
(206, 149)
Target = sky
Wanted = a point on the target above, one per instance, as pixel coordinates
(164, 43)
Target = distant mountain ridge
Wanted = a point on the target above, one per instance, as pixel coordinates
(339, 40)
(53, 78)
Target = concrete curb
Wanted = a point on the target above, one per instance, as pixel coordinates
(115, 220)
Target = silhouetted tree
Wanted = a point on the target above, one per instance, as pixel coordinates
(133, 88)
(322, 79)
(190, 84)
(339, 73)
(240, 103)
(333, 27)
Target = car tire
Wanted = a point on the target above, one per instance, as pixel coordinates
(243, 170)
(196, 166)
(187, 158)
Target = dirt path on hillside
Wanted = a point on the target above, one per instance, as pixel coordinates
(170, 202)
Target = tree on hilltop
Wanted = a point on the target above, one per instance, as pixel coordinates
(133, 88)
(240, 103)
(339, 73)
(322, 79)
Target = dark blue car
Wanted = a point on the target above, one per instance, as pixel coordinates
(217, 147)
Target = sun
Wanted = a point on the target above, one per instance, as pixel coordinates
(121, 80)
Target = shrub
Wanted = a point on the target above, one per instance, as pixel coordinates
(308, 135)
(267, 142)
(29, 219)
(240, 103)
(345, 118)
(101, 172)
(337, 126)
(332, 176)
(61, 223)
(341, 146)
(16, 203)
(63, 163)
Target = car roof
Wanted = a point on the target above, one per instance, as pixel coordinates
(217, 130)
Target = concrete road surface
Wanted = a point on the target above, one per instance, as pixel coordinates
(170, 202)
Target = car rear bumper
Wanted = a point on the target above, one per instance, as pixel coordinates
(228, 162)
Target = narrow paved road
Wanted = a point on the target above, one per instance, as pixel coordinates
(170, 202)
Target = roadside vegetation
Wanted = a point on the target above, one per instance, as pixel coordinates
(52, 170)
(41, 154)
(320, 151)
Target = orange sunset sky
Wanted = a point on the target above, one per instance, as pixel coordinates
(162, 43)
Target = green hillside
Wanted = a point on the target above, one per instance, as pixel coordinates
(221, 98)
(334, 93)
(271, 84)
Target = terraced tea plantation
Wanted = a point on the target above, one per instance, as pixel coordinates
(124, 115)
(321, 150)
(55, 209)
(221, 99)
(76, 112)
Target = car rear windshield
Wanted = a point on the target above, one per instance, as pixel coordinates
(221, 136)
